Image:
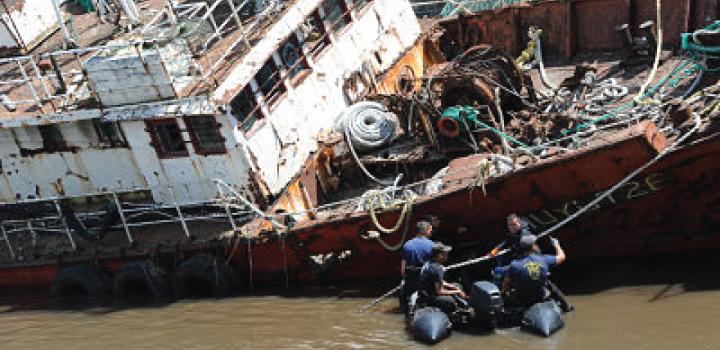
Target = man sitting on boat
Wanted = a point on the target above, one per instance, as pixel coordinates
(434, 290)
(415, 253)
(526, 279)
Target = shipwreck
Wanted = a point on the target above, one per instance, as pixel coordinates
(204, 147)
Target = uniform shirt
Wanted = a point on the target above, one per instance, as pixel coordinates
(529, 276)
(431, 274)
(417, 251)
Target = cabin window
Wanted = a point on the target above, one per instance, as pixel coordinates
(358, 5)
(292, 57)
(109, 133)
(314, 34)
(52, 138)
(166, 138)
(205, 134)
(245, 109)
(269, 81)
(337, 15)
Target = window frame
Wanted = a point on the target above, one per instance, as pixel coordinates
(304, 68)
(52, 146)
(156, 142)
(359, 10)
(190, 128)
(323, 43)
(104, 139)
(257, 112)
(278, 90)
(345, 15)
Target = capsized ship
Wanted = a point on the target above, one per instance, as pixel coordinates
(217, 146)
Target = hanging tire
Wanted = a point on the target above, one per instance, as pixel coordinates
(203, 276)
(141, 280)
(80, 281)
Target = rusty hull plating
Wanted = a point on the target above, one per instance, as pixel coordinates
(670, 207)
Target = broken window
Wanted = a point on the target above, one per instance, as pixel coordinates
(109, 133)
(52, 138)
(292, 57)
(205, 134)
(358, 5)
(269, 81)
(245, 109)
(314, 35)
(166, 138)
(337, 15)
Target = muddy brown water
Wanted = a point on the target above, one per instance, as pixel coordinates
(672, 305)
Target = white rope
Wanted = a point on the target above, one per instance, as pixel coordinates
(658, 51)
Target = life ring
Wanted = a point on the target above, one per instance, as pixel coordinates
(141, 279)
(203, 276)
(448, 127)
(80, 280)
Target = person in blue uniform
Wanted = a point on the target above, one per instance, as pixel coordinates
(516, 229)
(415, 253)
(526, 279)
(434, 290)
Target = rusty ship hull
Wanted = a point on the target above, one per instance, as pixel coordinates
(671, 207)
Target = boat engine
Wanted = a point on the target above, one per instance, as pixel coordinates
(487, 302)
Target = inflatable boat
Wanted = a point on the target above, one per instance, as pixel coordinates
(488, 311)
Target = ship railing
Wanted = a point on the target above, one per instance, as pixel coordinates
(245, 33)
(22, 83)
(52, 216)
(229, 196)
(201, 11)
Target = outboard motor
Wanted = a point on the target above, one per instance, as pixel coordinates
(430, 325)
(543, 319)
(487, 302)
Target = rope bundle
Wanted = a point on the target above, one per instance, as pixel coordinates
(369, 125)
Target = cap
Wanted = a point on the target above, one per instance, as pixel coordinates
(439, 247)
(526, 241)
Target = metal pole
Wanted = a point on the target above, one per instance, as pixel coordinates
(227, 208)
(33, 233)
(179, 212)
(235, 14)
(40, 77)
(15, 31)
(7, 241)
(69, 42)
(29, 83)
(122, 217)
(64, 222)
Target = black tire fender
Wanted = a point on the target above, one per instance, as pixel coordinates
(81, 279)
(204, 276)
(144, 273)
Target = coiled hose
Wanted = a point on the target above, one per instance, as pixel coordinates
(369, 124)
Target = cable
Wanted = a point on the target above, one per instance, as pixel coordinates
(639, 98)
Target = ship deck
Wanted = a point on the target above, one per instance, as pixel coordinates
(29, 84)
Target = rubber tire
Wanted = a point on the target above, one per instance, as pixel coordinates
(153, 277)
(93, 281)
(213, 273)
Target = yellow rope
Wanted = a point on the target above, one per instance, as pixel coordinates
(407, 203)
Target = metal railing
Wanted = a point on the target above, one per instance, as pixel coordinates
(61, 76)
(22, 83)
(55, 215)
